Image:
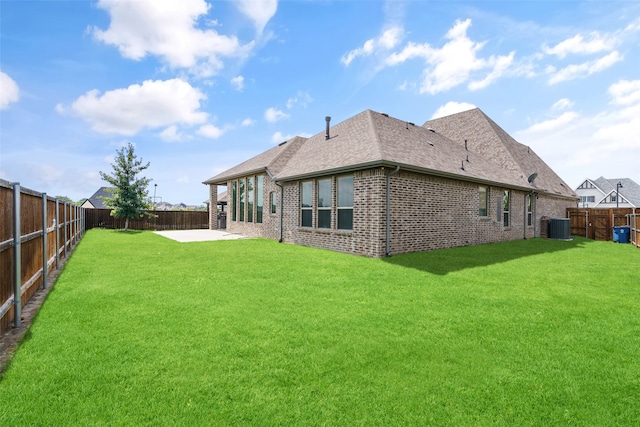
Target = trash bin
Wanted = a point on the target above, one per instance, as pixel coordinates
(621, 234)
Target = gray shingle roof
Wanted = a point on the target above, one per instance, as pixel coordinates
(630, 190)
(97, 200)
(489, 140)
(372, 139)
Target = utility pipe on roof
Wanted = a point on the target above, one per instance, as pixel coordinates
(388, 248)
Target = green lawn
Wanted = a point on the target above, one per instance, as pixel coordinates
(141, 330)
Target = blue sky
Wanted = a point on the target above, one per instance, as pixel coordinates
(200, 86)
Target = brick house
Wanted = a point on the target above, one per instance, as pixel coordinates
(374, 185)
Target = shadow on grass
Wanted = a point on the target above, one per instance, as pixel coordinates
(446, 261)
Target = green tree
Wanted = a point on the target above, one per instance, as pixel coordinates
(130, 198)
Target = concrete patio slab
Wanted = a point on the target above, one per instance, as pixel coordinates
(185, 236)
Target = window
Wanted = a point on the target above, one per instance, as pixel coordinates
(529, 210)
(241, 216)
(250, 198)
(506, 201)
(345, 203)
(259, 198)
(272, 197)
(324, 203)
(482, 194)
(306, 200)
(614, 198)
(234, 199)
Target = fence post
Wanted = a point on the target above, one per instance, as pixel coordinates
(65, 230)
(45, 247)
(17, 258)
(57, 220)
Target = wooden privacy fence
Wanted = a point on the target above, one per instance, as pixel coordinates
(597, 224)
(36, 231)
(163, 220)
(635, 229)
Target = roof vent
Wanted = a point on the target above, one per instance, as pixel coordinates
(328, 120)
(465, 145)
(430, 143)
(431, 129)
(462, 165)
(282, 143)
(385, 114)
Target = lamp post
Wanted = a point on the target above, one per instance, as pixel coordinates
(618, 187)
(155, 187)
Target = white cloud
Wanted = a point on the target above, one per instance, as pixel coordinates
(600, 144)
(386, 41)
(575, 71)
(238, 83)
(259, 11)
(625, 92)
(453, 63)
(452, 107)
(562, 104)
(279, 137)
(273, 115)
(171, 134)
(594, 43)
(553, 124)
(153, 104)
(210, 131)
(247, 122)
(9, 91)
(168, 29)
(302, 98)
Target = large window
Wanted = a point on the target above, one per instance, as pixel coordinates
(306, 204)
(242, 201)
(324, 203)
(259, 198)
(250, 198)
(506, 203)
(482, 198)
(345, 203)
(234, 199)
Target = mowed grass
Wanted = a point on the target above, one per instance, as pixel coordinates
(141, 330)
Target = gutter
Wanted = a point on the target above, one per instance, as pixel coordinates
(388, 209)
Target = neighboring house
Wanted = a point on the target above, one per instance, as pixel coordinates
(97, 200)
(609, 193)
(374, 185)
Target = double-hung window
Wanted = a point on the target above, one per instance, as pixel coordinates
(345, 202)
(506, 202)
(529, 210)
(259, 198)
(306, 204)
(482, 199)
(242, 201)
(324, 203)
(273, 198)
(234, 200)
(250, 198)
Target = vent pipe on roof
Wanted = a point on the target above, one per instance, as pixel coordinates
(465, 145)
(328, 119)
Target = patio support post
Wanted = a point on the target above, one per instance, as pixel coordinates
(17, 258)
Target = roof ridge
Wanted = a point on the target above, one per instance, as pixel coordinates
(374, 130)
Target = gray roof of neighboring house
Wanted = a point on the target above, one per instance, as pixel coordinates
(97, 200)
(372, 139)
(630, 190)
